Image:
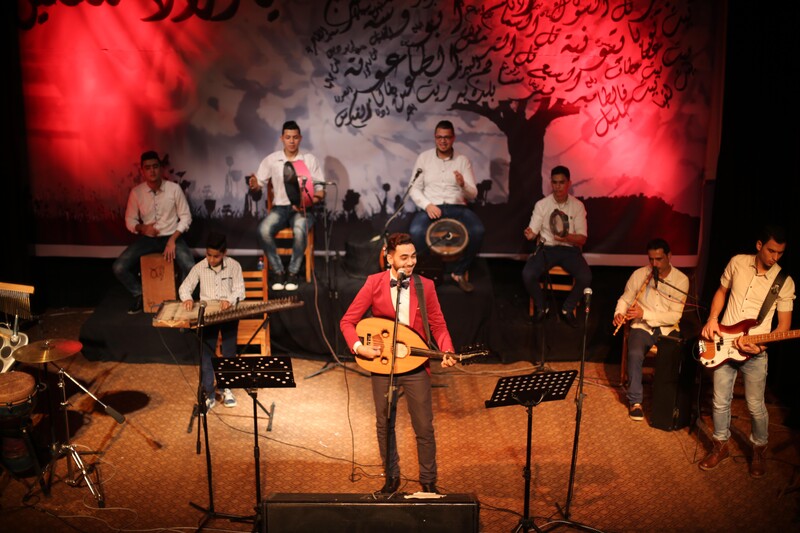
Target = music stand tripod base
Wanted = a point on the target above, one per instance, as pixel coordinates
(529, 391)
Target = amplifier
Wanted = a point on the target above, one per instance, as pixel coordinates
(365, 513)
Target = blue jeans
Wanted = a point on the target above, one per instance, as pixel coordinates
(278, 218)
(570, 259)
(210, 334)
(126, 267)
(639, 343)
(754, 371)
(421, 222)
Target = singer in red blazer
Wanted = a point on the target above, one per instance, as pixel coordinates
(377, 294)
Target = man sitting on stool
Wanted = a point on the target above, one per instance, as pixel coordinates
(557, 248)
(653, 312)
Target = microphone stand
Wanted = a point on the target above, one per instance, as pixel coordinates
(578, 414)
(390, 388)
(385, 232)
(541, 366)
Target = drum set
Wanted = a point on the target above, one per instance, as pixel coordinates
(18, 396)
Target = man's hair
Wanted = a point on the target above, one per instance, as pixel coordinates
(771, 231)
(445, 125)
(560, 169)
(658, 244)
(150, 154)
(397, 239)
(217, 241)
(290, 125)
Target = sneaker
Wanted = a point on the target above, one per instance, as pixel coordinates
(280, 281)
(228, 399)
(635, 412)
(569, 319)
(210, 403)
(291, 284)
(137, 306)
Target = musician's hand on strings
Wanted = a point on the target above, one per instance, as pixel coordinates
(188, 304)
(746, 347)
(224, 304)
(448, 360)
(433, 212)
(711, 330)
(368, 352)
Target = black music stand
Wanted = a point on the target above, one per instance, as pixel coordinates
(529, 391)
(251, 374)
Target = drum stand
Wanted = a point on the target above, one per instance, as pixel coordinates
(77, 470)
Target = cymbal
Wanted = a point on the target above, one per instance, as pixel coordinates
(47, 350)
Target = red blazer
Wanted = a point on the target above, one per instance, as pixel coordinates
(377, 294)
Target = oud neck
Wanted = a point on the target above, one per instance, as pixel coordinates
(772, 337)
(430, 354)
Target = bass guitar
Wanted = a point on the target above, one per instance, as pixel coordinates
(713, 353)
(411, 348)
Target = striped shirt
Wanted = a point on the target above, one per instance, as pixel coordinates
(226, 283)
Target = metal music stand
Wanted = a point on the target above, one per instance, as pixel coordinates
(529, 391)
(251, 374)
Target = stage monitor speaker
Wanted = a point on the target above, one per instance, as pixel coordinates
(363, 513)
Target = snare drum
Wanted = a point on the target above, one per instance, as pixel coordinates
(447, 238)
(17, 395)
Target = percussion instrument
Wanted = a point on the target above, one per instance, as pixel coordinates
(559, 223)
(47, 350)
(447, 238)
(298, 183)
(17, 395)
(174, 315)
(14, 300)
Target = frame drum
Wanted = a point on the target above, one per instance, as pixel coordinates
(447, 238)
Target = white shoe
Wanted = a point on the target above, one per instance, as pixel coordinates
(228, 399)
(210, 403)
(291, 284)
(280, 282)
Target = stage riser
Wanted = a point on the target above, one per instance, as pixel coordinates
(361, 513)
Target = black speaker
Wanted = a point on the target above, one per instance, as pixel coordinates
(672, 385)
(365, 513)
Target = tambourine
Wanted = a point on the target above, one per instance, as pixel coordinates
(447, 238)
(559, 223)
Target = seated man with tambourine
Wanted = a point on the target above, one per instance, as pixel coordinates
(558, 224)
(297, 184)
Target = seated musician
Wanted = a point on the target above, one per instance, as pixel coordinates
(558, 224)
(220, 278)
(653, 312)
(380, 294)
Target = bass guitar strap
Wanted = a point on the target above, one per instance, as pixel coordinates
(771, 296)
(424, 311)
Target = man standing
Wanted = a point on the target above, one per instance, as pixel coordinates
(754, 288)
(380, 294)
(558, 223)
(289, 208)
(652, 303)
(158, 212)
(442, 185)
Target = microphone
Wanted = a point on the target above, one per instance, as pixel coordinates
(587, 295)
(416, 175)
(116, 415)
(401, 275)
(201, 312)
(655, 277)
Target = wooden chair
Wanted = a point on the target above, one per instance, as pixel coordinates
(649, 356)
(255, 284)
(560, 280)
(287, 234)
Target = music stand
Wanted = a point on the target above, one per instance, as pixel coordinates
(529, 391)
(251, 374)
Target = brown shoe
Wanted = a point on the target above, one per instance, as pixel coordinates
(719, 454)
(758, 463)
(462, 282)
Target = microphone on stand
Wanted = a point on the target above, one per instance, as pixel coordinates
(201, 312)
(416, 175)
(655, 277)
(587, 296)
(401, 275)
